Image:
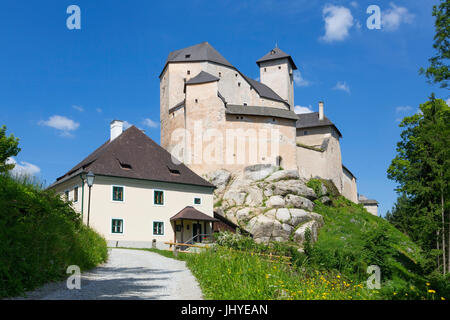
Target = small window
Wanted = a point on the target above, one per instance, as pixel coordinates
(117, 193)
(158, 197)
(239, 84)
(187, 56)
(197, 201)
(236, 74)
(245, 103)
(66, 195)
(116, 226)
(189, 72)
(265, 69)
(305, 133)
(178, 228)
(158, 228)
(196, 100)
(75, 194)
(279, 67)
(220, 74)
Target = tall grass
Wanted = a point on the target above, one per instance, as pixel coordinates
(40, 236)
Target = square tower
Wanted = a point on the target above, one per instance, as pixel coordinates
(277, 72)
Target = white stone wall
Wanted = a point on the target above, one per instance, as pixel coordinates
(278, 75)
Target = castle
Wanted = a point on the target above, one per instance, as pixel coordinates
(204, 98)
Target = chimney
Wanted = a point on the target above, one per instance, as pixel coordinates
(116, 129)
(321, 115)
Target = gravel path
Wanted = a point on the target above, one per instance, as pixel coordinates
(129, 274)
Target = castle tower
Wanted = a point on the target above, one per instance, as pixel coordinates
(277, 72)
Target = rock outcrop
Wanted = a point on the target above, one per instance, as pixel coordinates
(271, 204)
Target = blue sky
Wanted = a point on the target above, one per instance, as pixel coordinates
(60, 88)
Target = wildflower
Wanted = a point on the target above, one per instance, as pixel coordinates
(395, 293)
(267, 276)
(428, 284)
(431, 291)
(442, 298)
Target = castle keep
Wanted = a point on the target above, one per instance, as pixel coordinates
(204, 98)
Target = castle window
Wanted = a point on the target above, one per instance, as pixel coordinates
(245, 103)
(279, 67)
(220, 74)
(189, 72)
(236, 74)
(187, 56)
(265, 69)
(239, 84)
(196, 100)
(278, 160)
(237, 118)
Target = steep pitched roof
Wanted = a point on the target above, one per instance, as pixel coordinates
(199, 52)
(311, 120)
(190, 213)
(275, 54)
(202, 77)
(263, 90)
(134, 155)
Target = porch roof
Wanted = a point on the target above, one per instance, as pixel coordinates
(190, 213)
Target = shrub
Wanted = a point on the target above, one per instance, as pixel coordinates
(41, 235)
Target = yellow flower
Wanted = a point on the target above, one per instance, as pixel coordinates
(428, 283)
(431, 291)
(395, 293)
(267, 276)
(442, 298)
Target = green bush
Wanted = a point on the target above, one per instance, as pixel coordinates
(41, 235)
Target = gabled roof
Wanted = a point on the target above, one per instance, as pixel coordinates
(190, 213)
(275, 54)
(134, 155)
(311, 120)
(202, 77)
(263, 90)
(199, 52)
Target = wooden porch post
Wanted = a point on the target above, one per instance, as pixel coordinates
(182, 229)
(175, 231)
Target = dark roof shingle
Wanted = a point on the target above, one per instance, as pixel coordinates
(202, 77)
(311, 120)
(274, 54)
(261, 111)
(147, 159)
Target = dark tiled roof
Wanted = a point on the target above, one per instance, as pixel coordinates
(311, 120)
(261, 111)
(274, 54)
(202, 77)
(263, 90)
(199, 52)
(148, 161)
(190, 213)
(362, 199)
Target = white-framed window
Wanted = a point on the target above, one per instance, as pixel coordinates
(158, 197)
(158, 228)
(117, 193)
(197, 201)
(117, 225)
(66, 195)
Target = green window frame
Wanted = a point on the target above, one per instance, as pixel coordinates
(158, 228)
(197, 200)
(117, 193)
(158, 197)
(117, 226)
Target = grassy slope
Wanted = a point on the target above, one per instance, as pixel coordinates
(41, 236)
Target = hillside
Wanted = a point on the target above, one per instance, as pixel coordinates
(41, 236)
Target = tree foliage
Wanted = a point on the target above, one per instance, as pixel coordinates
(438, 71)
(421, 169)
(9, 147)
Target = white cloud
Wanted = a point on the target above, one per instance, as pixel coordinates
(402, 109)
(299, 80)
(61, 123)
(338, 21)
(150, 123)
(126, 125)
(302, 109)
(393, 17)
(24, 168)
(78, 108)
(342, 85)
(354, 4)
